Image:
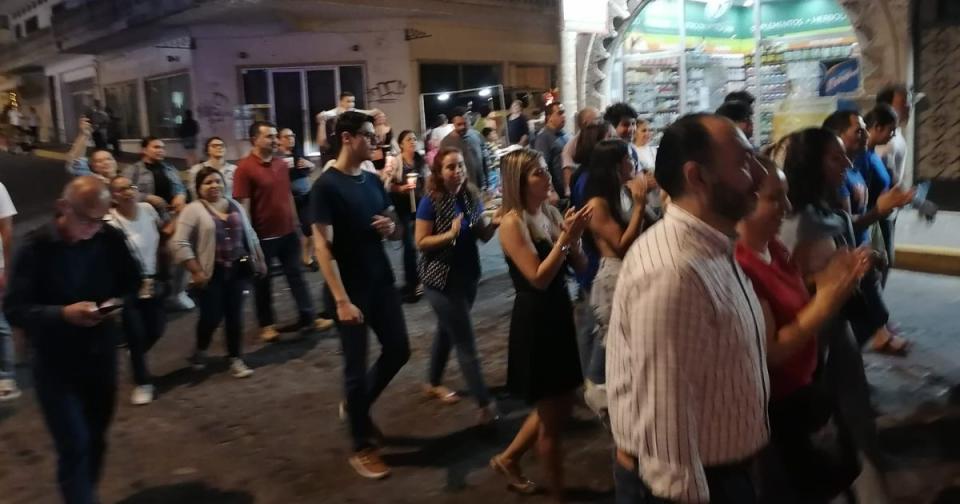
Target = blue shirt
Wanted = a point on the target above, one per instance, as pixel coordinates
(854, 189)
(578, 199)
(466, 255)
(875, 175)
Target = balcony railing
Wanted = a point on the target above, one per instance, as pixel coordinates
(98, 18)
(27, 52)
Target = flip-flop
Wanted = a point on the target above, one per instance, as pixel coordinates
(889, 347)
(516, 481)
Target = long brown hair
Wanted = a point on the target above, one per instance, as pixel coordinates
(435, 186)
(515, 166)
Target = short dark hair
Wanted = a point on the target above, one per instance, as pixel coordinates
(458, 112)
(839, 121)
(737, 111)
(254, 130)
(347, 94)
(889, 91)
(205, 172)
(881, 115)
(147, 140)
(206, 145)
(349, 122)
(486, 131)
(687, 139)
(741, 96)
(618, 112)
(550, 108)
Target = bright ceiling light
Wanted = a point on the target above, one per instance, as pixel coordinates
(443, 96)
(485, 92)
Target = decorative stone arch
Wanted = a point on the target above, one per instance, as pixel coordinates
(885, 45)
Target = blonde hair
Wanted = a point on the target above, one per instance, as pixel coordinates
(515, 167)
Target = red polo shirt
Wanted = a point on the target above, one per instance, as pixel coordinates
(267, 184)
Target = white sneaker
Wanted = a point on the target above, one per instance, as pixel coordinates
(9, 390)
(142, 394)
(595, 396)
(182, 302)
(239, 369)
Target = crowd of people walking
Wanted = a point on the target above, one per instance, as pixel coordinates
(724, 293)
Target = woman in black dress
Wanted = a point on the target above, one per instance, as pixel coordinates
(544, 365)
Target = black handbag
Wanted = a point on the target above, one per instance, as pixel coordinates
(243, 266)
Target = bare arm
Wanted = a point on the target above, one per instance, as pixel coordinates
(322, 143)
(604, 228)
(79, 147)
(6, 237)
(517, 245)
(427, 241)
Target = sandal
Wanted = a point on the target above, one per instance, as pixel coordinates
(516, 481)
(442, 393)
(891, 345)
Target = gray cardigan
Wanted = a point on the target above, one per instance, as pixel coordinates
(196, 237)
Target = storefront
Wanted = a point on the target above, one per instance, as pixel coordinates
(799, 58)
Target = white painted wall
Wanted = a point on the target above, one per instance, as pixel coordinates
(382, 51)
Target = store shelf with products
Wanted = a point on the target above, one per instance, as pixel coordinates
(789, 71)
(651, 85)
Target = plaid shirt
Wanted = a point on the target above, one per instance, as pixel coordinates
(230, 240)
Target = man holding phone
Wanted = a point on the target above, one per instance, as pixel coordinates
(63, 291)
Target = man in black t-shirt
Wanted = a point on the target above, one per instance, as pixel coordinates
(351, 215)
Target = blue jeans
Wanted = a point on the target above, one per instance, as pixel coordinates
(76, 395)
(455, 329)
(287, 250)
(8, 359)
(589, 344)
(731, 484)
(383, 313)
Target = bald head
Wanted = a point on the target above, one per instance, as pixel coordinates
(87, 192)
(586, 116)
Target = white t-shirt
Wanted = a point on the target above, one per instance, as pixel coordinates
(894, 154)
(6, 210)
(143, 237)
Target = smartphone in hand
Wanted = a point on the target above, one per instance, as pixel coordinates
(109, 306)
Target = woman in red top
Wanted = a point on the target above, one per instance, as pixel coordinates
(793, 316)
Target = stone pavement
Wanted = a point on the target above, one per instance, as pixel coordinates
(275, 437)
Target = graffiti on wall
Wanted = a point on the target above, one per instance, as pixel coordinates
(215, 109)
(387, 91)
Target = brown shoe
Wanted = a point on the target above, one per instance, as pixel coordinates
(269, 334)
(368, 464)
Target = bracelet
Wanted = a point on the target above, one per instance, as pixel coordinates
(565, 249)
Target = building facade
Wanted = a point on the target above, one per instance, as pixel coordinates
(150, 61)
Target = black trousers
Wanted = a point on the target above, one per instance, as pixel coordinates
(144, 321)
(222, 298)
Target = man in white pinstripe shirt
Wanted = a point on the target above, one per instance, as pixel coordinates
(686, 373)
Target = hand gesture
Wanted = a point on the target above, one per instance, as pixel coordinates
(301, 163)
(86, 127)
(82, 314)
(894, 198)
(198, 279)
(575, 222)
(383, 225)
(456, 225)
(843, 273)
(349, 314)
(638, 189)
